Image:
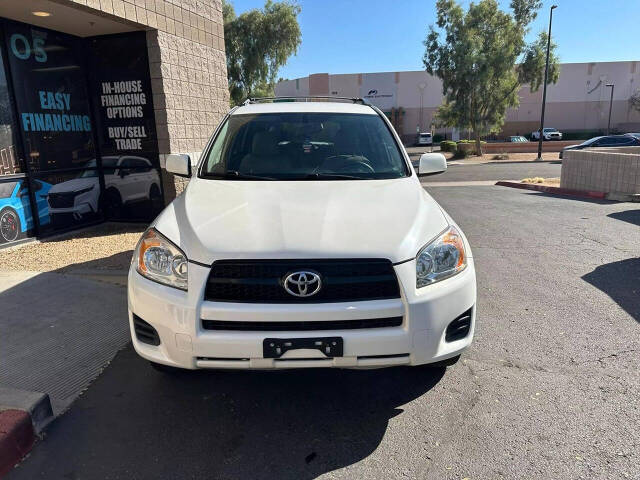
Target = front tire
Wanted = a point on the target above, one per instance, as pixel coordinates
(10, 227)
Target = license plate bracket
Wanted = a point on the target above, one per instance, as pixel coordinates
(276, 347)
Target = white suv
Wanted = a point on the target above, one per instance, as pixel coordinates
(304, 239)
(548, 133)
(127, 179)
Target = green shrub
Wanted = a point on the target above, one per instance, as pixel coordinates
(448, 146)
(437, 138)
(461, 153)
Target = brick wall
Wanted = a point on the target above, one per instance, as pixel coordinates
(185, 40)
(611, 170)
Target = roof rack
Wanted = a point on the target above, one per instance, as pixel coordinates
(250, 101)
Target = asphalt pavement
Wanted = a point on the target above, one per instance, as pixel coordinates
(548, 390)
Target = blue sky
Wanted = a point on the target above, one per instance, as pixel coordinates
(352, 36)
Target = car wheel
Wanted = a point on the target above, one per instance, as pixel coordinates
(111, 203)
(10, 228)
(159, 367)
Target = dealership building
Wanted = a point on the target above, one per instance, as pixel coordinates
(578, 102)
(93, 95)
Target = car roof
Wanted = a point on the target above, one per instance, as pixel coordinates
(304, 107)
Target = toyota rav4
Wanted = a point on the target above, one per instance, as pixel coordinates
(303, 239)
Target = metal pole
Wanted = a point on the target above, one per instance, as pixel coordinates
(610, 105)
(544, 90)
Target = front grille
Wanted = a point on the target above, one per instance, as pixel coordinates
(61, 200)
(459, 328)
(260, 281)
(145, 333)
(301, 326)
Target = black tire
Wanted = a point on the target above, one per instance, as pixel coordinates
(111, 203)
(10, 228)
(159, 367)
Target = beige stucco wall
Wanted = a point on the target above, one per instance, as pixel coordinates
(611, 170)
(185, 41)
(578, 101)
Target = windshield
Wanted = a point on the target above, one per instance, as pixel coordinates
(591, 140)
(6, 189)
(550, 130)
(304, 146)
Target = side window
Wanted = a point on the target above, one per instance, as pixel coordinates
(126, 163)
(141, 165)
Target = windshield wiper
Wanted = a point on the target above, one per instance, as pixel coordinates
(330, 176)
(234, 174)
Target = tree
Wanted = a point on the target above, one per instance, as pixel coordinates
(634, 100)
(258, 43)
(483, 60)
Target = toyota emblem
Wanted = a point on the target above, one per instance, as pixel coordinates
(302, 284)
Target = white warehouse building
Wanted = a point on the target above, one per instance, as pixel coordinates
(578, 102)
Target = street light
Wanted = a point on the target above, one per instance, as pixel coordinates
(421, 86)
(610, 105)
(544, 91)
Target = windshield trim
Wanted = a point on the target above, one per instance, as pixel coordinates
(408, 171)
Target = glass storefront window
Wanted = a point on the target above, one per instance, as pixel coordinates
(51, 97)
(48, 131)
(10, 163)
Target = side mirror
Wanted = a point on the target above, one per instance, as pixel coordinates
(432, 164)
(178, 164)
(124, 172)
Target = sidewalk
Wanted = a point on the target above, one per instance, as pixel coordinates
(58, 332)
(64, 310)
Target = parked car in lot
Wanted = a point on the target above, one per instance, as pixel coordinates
(15, 212)
(517, 139)
(548, 133)
(303, 239)
(424, 138)
(627, 140)
(127, 179)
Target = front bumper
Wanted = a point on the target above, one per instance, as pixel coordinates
(177, 317)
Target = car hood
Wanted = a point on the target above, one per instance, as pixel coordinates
(74, 185)
(217, 219)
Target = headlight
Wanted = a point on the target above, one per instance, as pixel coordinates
(440, 259)
(84, 190)
(160, 260)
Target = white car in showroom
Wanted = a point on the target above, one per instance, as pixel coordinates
(127, 179)
(548, 133)
(303, 239)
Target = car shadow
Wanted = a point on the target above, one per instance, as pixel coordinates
(630, 216)
(621, 281)
(260, 425)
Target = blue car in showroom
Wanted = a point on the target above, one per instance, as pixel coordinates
(15, 213)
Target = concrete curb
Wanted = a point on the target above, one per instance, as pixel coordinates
(23, 415)
(16, 438)
(556, 190)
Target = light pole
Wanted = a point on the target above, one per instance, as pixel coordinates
(544, 90)
(610, 105)
(421, 86)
